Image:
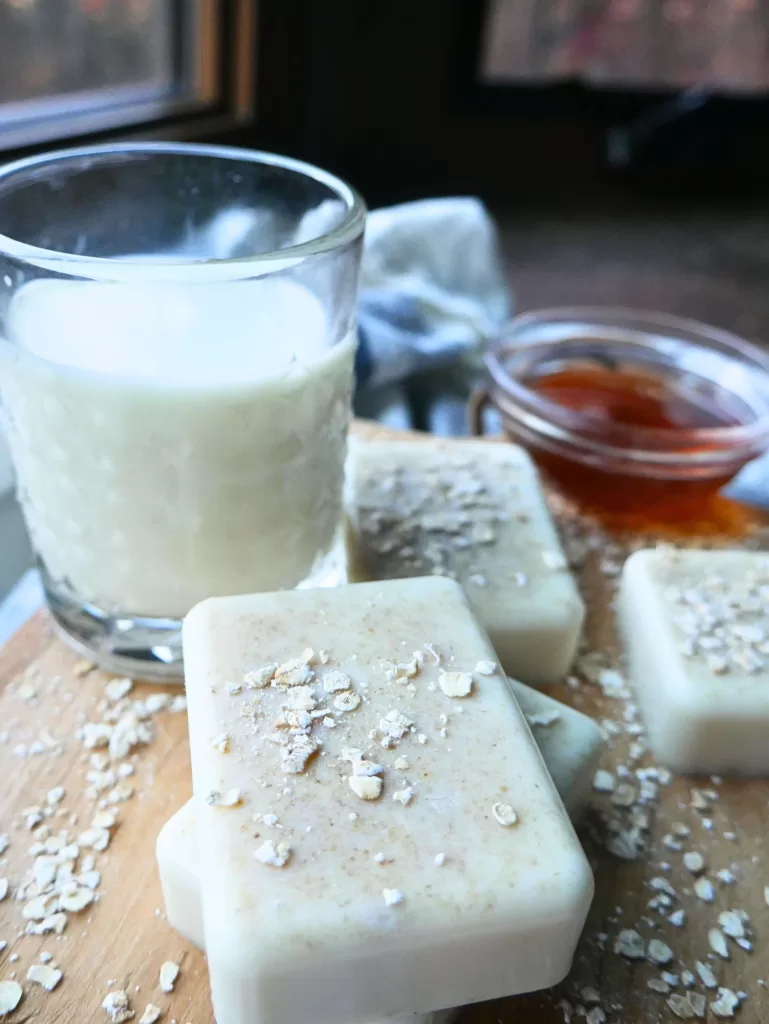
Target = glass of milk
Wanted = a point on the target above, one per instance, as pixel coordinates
(177, 335)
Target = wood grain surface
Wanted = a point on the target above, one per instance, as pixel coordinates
(124, 939)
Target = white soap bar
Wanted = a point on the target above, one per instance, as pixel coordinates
(570, 743)
(462, 881)
(473, 511)
(697, 633)
(177, 854)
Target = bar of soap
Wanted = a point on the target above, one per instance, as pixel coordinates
(377, 832)
(570, 744)
(697, 633)
(473, 511)
(178, 867)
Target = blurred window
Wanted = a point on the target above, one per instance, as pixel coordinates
(718, 45)
(74, 67)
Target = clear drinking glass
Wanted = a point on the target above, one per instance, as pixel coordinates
(177, 335)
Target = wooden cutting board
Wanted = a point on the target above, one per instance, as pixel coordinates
(123, 938)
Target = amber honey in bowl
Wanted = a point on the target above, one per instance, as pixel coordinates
(640, 419)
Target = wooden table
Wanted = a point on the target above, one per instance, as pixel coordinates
(125, 938)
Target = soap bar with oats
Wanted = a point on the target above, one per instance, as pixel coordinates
(473, 511)
(371, 809)
(570, 744)
(696, 625)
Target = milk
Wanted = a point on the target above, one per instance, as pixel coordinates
(174, 442)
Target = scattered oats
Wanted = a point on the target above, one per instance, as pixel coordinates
(726, 876)
(694, 862)
(677, 918)
(731, 836)
(367, 787)
(178, 703)
(671, 843)
(404, 796)
(596, 1016)
(336, 682)
(90, 879)
(717, 943)
(10, 996)
(402, 764)
(116, 689)
(477, 579)
(77, 900)
(55, 796)
(47, 977)
(660, 884)
(3, 888)
(699, 801)
(117, 1006)
(169, 972)
(221, 743)
(705, 890)
(234, 688)
(296, 672)
(229, 798)
(422, 739)
(486, 668)
(707, 977)
(659, 953)
(658, 985)
(505, 814)
(603, 781)
(151, 1014)
(5, 842)
(682, 1007)
(672, 979)
(630, 945)
(456, 684)
(726, 1003)
(348, 701)
(40, 907)
(157, 702)
(261, 678)
(276, 856)
(732, 924)
(45, 957)
(440, 860)
(766, 895)
(105, 819)
(392, 897)
(745, 944)
(33, 818)
(295, 756)
(590, 995)
(624, 795)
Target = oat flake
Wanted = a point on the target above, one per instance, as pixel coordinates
(456, 684)
(505, 815)
(717, 943)
(10, 996)
(392, 897)
(151, 1014)
(276, 856)
(47, 977)
(169, 972)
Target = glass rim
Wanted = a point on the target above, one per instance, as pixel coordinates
(642, 444)
(350, 227)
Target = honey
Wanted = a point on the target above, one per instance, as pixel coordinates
(614, 405)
